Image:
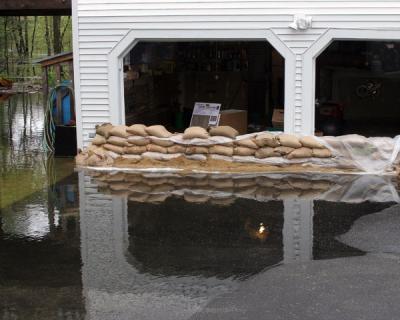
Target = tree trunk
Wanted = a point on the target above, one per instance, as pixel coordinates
(47, 35)
(56, 34)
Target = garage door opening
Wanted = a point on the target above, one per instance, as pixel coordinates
(357, 88)
(164, 80)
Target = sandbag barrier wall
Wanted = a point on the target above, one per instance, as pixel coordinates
(225, 189)
(138, 142)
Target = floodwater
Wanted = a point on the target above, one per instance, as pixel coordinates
(77, 244)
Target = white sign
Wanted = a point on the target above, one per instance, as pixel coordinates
(205, 114)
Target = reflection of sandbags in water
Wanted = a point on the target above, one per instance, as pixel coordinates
(283, 151)
(195, 198)
(247, 143)
(244, 151)
(119, 131)
(133, 178)
(118, 186)
(223, 202)
(195, 132)
(118, 176)
(311, 142)
(157, 198)
(189, 182)
(155, 181)
(137, 130)
(283, 185)
(224, 131)
(246, 191)
(288, 193)
(104, 129)
(138, 140)
(163, 188)
(266, 152)
(155, 148)
(140, 187)
(161, 142)
(321, 153)
(98, 140)
(289, 140)
(310, 194)
(266, 182)
(265, 192)
(300, 153)
(221, 150)
(244, 182)
(196, 150)
(118, 141)
(321, 185)
(302, 184)
(267, 140)
(158, 131)
(138, 197)
(135, 150)
(113, 148)
(177, 148)
(221, 183)
(120, 193)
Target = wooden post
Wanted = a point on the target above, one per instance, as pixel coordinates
(45, 85)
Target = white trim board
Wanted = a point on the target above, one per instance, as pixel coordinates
(115, 61)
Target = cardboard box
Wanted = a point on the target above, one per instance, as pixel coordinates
(235, 118)
(278, 118)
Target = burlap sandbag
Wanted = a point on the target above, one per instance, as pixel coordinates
(81, 159)
(221, 150)
(224, 131)
(176, 149)
(300, 153)
(162, 143)
(266, 152)
(247, 143)
(138, 140)
(267, 140)
(289, 140)
(243, 151)
(118, 141)
(311, 142)
(155, 148)
(195, 132)
(135, 150)
(113, 148)
(137, 130)
(119, 131)
(283, 151)
(196, 150)
(104, 129)
(321, 153)
(158, 131)
(94, 160)
(98, 140)
(100, 152)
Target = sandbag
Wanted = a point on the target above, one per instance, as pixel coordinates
(289, 140)
(104, 129)
(267, 140)
(158, 131)
(266, 152)
(224, 131)
(119, 131)
(283, 151)
(222, 150)
(137, 130)
(196, 150)
(99, 140)
(117, 141)
(81, 159)
(100, 152)
(243, 151)
(300, 153)
(155, 148)
(138, 140)
(135, 150)
(162, 143)
(176, 149)
(195, 132)
(321, 153)
(247, 143)
(93, 160)
(311, 142)
(113, 148)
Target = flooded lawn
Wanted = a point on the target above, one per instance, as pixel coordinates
(112, 245)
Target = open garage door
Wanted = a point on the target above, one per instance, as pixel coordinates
(164, 80)
(357, 88)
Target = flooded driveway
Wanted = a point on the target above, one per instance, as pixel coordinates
(124, 245)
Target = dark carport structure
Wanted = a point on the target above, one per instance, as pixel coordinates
(35, 7)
